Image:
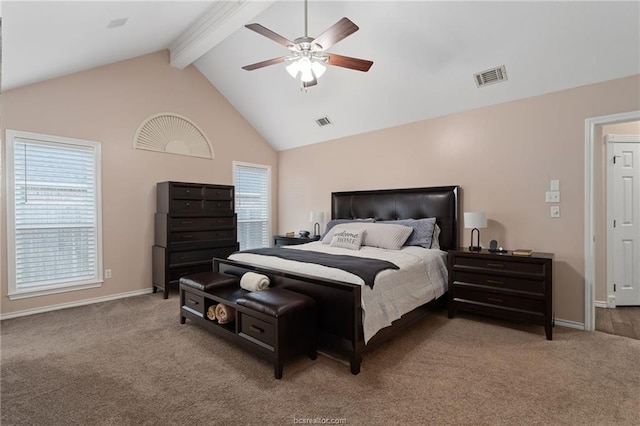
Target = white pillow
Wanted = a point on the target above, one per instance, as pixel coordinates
(348, 238)
(383, 235)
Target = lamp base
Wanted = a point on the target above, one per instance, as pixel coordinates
(475, 248)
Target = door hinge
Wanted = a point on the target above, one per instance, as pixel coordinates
(614, 287)
(614, 223)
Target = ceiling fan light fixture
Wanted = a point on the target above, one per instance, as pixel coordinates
(318, 69)
(293, 69)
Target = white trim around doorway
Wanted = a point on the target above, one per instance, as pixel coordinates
(591, 143)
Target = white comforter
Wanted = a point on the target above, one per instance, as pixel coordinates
(421, 278)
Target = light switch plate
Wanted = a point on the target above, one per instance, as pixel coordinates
(555, 211)
(555, 185)
(552, 196)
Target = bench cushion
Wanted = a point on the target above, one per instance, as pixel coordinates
(205, 281)
(276, 302)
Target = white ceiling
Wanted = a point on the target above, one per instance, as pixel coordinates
(424, 52)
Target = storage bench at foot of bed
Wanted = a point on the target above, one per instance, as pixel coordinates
(274, 323)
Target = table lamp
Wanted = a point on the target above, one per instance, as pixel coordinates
(317, 218)
(475, 220)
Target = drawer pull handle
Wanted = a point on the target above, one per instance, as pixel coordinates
(188, 191)
(187, 236)
(495, 282)
(185, 222)
(256, 329)
(493, 299)
(193, 302)
(218, 204)
(495, 265)
(187, 204)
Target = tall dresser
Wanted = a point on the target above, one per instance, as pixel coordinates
(194, 223)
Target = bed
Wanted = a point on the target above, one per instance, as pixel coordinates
(341, 327)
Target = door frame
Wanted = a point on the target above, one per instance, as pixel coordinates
(610, 140)
(591, 144)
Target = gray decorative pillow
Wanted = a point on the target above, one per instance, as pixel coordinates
(435, 241)
(334, 222)
(383, 235)
(348, 238)
(422, 230)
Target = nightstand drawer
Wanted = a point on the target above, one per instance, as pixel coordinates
(498, 281)
(217, 193)
(463, 293)
(498, 265)
(258, 329)
(186, 191)
(194, 301)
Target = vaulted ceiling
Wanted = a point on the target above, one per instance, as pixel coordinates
(424, 52)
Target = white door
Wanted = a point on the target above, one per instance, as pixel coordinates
(623, 194)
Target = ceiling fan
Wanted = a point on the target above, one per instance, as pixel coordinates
(308, 55)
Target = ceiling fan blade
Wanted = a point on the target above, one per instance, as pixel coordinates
(270, 34)
(348, 62)
(340, 30)
(264, 63)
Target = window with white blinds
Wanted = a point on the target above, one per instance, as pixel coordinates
(54, 213)
(252, 182)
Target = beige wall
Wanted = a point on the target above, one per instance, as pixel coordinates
(502, 156)
(107, 104)
(600, 201)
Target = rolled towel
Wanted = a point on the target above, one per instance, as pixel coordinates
(225, 313)
(211, 312)
(253, 282)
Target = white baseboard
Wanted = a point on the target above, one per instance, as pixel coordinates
(74, 304)
(570, 324)
(600, 304)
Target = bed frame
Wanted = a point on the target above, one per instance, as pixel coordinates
(339, 304)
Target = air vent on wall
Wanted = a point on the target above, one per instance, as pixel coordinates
(173, 134)
(492, 76)
(324, 121)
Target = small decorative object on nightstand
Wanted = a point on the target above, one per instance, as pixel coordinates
(475, 220)
(502, 285)
(281, 240)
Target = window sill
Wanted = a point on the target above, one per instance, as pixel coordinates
(44, 292)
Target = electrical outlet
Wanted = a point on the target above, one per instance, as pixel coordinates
(555, 211)
(552, 196)
(107, 274)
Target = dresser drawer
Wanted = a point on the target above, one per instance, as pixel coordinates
(203, 236)
(218, 207)
(186, 191)
(498, 281)
(180, 257)
(196, 223)
(462, 293)
(258, 329)
(194, 301)
(498, 265)
(186, 206)
(176, 273)
(217, 193)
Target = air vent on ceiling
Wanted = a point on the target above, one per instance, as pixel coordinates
(115, 23)
(324, 121)
(492, 76)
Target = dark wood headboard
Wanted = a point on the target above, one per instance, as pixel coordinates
(440, 202)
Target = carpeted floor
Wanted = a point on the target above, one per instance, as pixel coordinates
(130, 362)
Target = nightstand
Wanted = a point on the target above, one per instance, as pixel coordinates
(281, 240)
(518, 288)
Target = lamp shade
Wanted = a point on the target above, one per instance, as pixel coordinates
(475, 220)
(316, 217)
